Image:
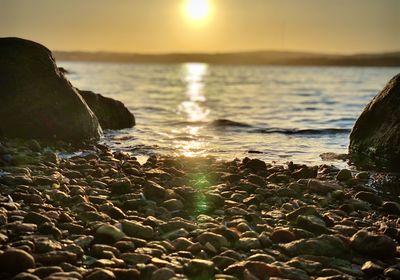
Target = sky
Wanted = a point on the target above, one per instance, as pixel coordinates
(165, 26)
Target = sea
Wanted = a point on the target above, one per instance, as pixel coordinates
(275, 113)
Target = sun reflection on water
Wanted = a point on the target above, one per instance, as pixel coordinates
(193, 110)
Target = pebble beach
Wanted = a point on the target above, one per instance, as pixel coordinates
(105, 215)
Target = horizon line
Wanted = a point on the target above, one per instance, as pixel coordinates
(229, 52)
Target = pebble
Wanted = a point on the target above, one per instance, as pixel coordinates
(369, 197)
(108, 234)
(391, 207)
(200, 269)
(135, 229)
(344, 175)
(101, 274)
(374, 245)
(15, 261)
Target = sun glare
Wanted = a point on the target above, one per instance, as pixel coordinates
(198, 10)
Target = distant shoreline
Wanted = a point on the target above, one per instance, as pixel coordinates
(275, 58)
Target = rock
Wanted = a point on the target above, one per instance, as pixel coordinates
(305, 173)
(135, 229)
(181, 232)
(391, 207)
(251, 270)
(321, 187)
(282, 235)
(101, 274)
(56, 258)
(312, 224)
(112, 114)
(324, 245)
(344, 175)
(362, 175)
(163, 274)
(255, 165)
(134, 258)
(173, 204)
(214, 239)
(392, 273)
(305, 211)
(374, 245)
(42, 104)
(248, 243)
(200, 269)
(45, 271)
(126, 274)
(371, 268)
(26, 276)
(36, 218)
(375, 138)
(369, 197)
(121, 187)
(154, 191)
(15, 261)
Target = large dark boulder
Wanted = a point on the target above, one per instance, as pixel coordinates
(112, 114)
(36, 100)
(375, 138)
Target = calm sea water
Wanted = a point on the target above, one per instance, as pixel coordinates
(277, 114)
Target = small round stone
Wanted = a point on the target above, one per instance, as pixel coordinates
(15, 261)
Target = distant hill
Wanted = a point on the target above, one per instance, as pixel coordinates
(238, 58)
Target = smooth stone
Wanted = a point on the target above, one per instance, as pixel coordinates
(134, 258)
(312, 224)
(344, 175)
(391, 207)
(369, 197)
(200, 269)
(181, 243)
(163, 274)
(375, 137)
(126, 273)
(371, 268)
(216, 240)
(135, 229)
(101, 274)
(26, 276)
(36, 218)
(56, 258)
(374, 245)
(111, 114)
(45, 271)
(304, 211)
(176, 234)
(15, 261)
(322, 187)
(173, 204)
(247, 243)
(250, 270)
(392, 273)
(154, 191)
(123, 186)
(108, 234)
(255, 165)
(282, 235)
(305, 173)
(324, 245)
(43, 104)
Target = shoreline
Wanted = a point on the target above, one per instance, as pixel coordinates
(105, 214)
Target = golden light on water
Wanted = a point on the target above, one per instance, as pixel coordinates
(193, 110)
(198, 10)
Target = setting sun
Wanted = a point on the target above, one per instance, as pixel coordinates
(198, 10)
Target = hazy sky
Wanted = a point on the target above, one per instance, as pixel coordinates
(338, 26)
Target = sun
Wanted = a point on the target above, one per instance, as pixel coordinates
(198, 10)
